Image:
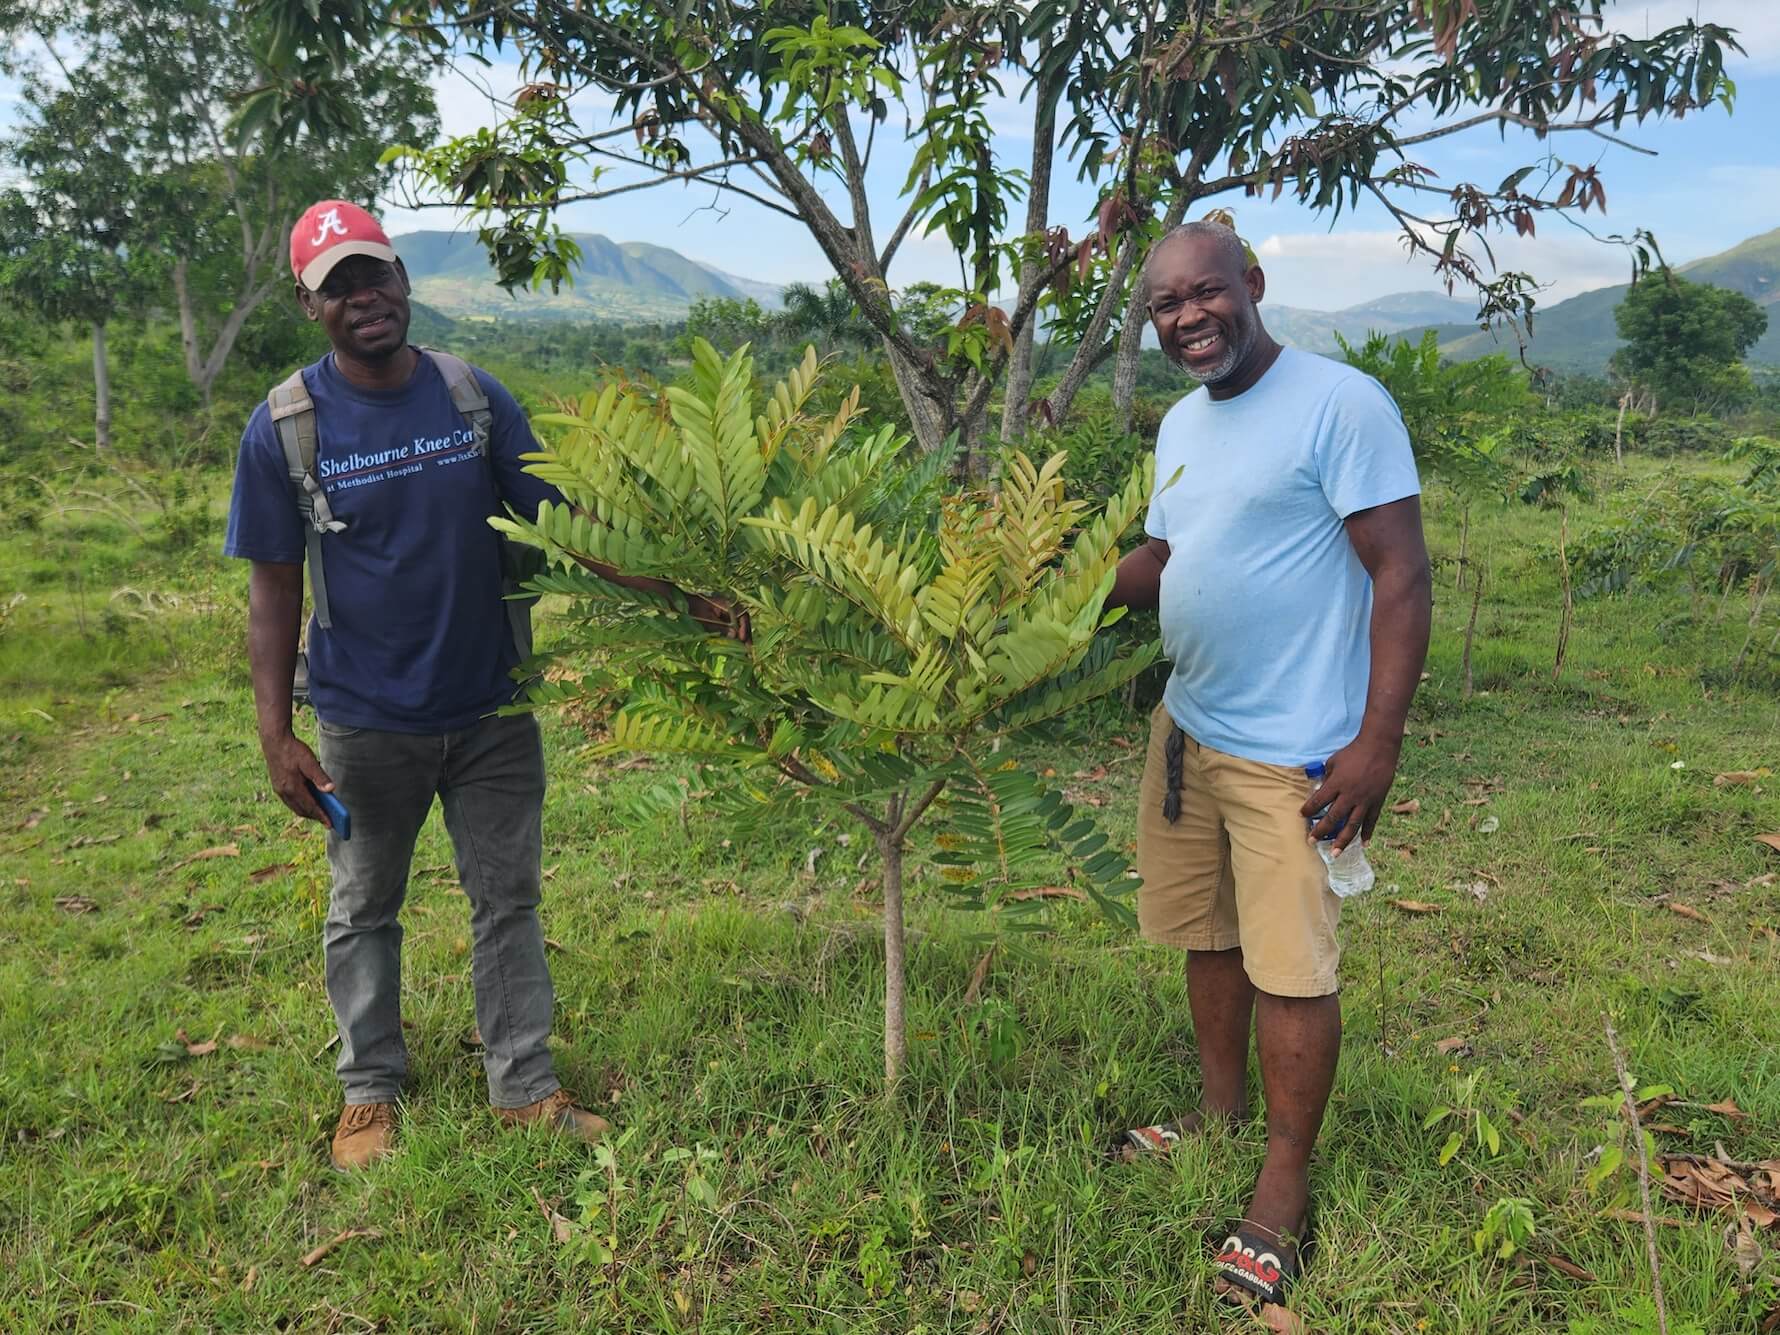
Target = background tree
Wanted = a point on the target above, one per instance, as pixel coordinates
(1684, 342)
(172, 73)
(1163, 104)
(898, 633)
(70, 234)
(825, 314)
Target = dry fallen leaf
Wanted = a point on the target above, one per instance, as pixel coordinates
(1454, 1046)
(1739, 1238)
(1708, 956)
(198, 914)
(1637, 1217)
(248, 1043)
(205, 854)
(1565, 1266)
(1740, 776)
(253, 1274)
(1681, 910)
(562, 1229)
(270, 870)
(1771, 840)
(1094, 775)
(192, 1049)
(1408, 808)
(77, 904)
(344, 1235)
(1413, 905)
(1726, 1108)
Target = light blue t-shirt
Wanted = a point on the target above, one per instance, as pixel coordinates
(1265, 608)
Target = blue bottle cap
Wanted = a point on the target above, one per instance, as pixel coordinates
(1315, 770)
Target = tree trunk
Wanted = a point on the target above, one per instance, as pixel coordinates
(932, 422)
(188, 320)
(203, 371)
(1470, 635)
(1091, 350)
(1128, 359)
(896, 1042)
(101, 389)
(1458, 581)
(1619, 429)
(1569, 607)
(1130, 354)
(244, 307)
(1038, 209)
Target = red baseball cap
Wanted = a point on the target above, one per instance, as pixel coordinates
(329, 231)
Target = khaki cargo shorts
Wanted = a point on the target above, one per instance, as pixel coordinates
(1235, 868)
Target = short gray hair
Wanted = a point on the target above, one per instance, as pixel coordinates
(1224, 238)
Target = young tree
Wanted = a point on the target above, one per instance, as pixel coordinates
(1162, 103)
(1684, 342)
(897, 633)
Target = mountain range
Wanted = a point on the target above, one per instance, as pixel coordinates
(637, 281)
(626, 281)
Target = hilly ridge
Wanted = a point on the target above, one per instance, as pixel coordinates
(619, 281)
(1579, 334)
(635, 281)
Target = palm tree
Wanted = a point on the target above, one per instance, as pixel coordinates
(826, 316)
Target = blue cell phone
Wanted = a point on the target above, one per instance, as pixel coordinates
(335, 808)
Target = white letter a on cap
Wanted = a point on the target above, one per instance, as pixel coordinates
(330, 223)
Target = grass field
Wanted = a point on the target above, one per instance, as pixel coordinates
(719, 1000)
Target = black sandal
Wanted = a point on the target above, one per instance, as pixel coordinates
(1258, 1262)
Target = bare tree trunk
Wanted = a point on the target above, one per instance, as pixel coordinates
(1038, 209)
(1131, 330)
(1619, 429)
(1091, 351)
(1128, 359)
(932, 422)
(188, 320)
(1470, 635)
(244, 307)
(101, 389)
(1464, 546)
(896, 1043)
(1569, 607)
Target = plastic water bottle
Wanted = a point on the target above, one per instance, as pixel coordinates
(1349, 872)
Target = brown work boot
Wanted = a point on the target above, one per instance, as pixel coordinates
(367, 1133)
(559, 1113)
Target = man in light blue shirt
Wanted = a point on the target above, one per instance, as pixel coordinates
(1286, 559)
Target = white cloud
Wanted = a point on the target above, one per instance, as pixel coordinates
(1331, 270)
(1755, 22)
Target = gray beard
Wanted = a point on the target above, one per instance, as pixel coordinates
(1235, 351)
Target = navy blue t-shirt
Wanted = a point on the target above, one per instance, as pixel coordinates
(420, 641)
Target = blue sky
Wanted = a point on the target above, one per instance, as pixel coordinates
(1715, 181)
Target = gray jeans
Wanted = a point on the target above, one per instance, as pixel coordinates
(490, 780)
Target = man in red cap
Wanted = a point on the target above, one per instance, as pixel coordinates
(379, 467)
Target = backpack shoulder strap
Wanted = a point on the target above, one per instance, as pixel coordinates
(293, 417)
(471, 402)
(467, 396)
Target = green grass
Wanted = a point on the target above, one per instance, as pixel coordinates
(722, 1007)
